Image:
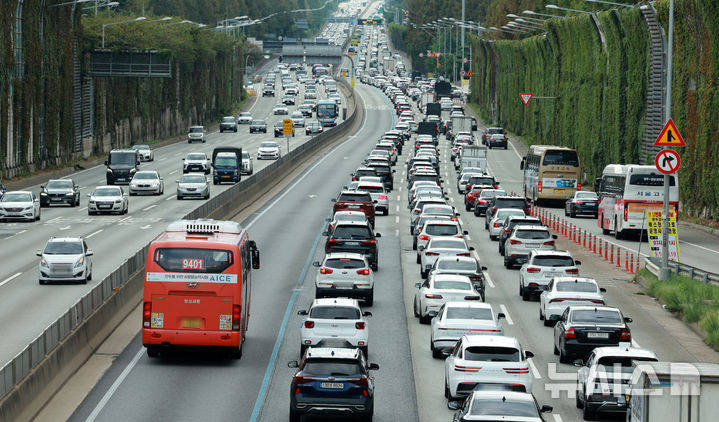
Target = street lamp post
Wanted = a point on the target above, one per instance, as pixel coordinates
(555, 7)
(105, 25)
(533, 13)
(612, 3)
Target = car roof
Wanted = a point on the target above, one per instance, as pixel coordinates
(194, 173)
(340, 301)
(450, 277)
(372, 184)
(332, 352)
(526, 226)
(501, 394)
(363, 223)
(440, 221)
(65, 239)
(474, 340)
(623, 351)
(551, 253)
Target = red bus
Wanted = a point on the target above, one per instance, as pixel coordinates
(198, 286)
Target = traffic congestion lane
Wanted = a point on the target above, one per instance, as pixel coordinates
(30, 306)
(187, 386)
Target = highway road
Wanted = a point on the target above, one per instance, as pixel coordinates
(27, 308)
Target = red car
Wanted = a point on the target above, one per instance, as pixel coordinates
(355, 201)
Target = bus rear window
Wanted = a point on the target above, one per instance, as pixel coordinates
(192, 260)
(649, 180)
(561, 157)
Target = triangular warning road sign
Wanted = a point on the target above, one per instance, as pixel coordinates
(469, 74)
(526, 98)
(670, 136)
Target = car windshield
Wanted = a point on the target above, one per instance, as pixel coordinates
(553, 261)
(193, 178)
(228, 120)
(596, 316)
(123, 158)
(352, 232)
(140, 147)
(196, 157)
(354, 197)
(481, 180)
(510, 203)
(532, 235)
(492, 354)
(586, 195)
(469, 313)
(452, 285)
(447, 244)
(344, 263)
(506, 408)
(332, 367)
(576, 286)
(225, 162)
(107, 192)
(196, 130)
(268, 145)
(436, 210)
(59, 184)
(457, 264)
(441, 229)
(63, 248)
(245, 114)
(145, 175)
(334, 312)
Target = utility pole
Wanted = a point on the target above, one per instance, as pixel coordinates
(664, 273)
(463, 23)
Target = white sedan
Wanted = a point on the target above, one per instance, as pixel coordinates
(280, 109)
(440, 289)
(269, 149)
(563, 292)
(298, 119)
(147, 181)
(20, 205)
(441, 246)
(338, 318)
(456, 319)
(485, 360)
(108, 199)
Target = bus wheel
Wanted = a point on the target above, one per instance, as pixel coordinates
(601, 223)
(152, 352)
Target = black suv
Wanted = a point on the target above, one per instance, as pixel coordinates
(334, 382)
(491, 131)
(385, 171)
(258, 126)
(354, 236)
(121, 165)
(504, 202)
(60, 191)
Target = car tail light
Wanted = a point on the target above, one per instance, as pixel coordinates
(494, 209)
(482, 201)
(496, 224)
(461, 368)
(469, 186)
(325, 270)
(463, 254)
(470, 197)
(579, 186)
(570, 333)
(626, 335)
(549, 243)
(578, 202)
(532, 284)
(364, 271)
(539, 186)
(515, 242)
(517, 371)
(533, 270)
(507, 230)
(471, 298)
(359, 325)
(423, 237)
(431, 254)
(334, 241)
(383, 197)
(309, 324)
(236, 312)
(432, 296)
(453, 218)
(572, 271)
(362, 381)
(146, 314)
(626, 211)
(369, 242)
(496, 186)
(599, 301)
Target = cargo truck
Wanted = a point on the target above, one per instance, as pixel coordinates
(473, 156)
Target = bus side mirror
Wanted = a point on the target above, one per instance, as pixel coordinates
(254, 255)
(597, 181)
(521, 164)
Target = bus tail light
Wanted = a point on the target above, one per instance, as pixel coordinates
(146, 314)
(236, 317)
(626, 211)
(539, 186)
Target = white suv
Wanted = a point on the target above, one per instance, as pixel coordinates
(339, 318)
(65, 259)
(525, 239)
(346, 275)
(541, 267)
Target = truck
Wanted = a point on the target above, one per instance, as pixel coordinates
(442, 89)
(226, 165)
(459, 124)
(425, 99)
(388, 64)
(427, 128)
(673, 392)
(433, 108)
(473, 156)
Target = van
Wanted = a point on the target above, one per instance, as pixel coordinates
(121, 165)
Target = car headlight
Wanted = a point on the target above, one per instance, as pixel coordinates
(132, 170)
(109, 170)
(70, 194)
(80, 262)
(43, 263)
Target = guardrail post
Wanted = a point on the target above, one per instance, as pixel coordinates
(705, 278)
(626, 260)
(691, 272)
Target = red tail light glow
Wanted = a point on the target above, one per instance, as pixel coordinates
(533, 269)
(626, 211)
(516, 371)
(364, 271)
(325, 270)
(146, 314)
(539, 186)
(359, 325)
(626, 335)
(515, 242)
(570, 333)
(431, 254)
(371, 241)
(579, 186)
(309, 324)
(461, 368)
(496, 224)
(236, 313)
(432, 296)
(423, 237)
(463, 254)
(549, 243)
(572, 271)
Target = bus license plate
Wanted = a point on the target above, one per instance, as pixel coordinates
(333, 385)
(556, 190)
(190, 322)
(597, 335)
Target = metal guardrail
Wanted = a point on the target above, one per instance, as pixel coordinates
(15, 371)
(653, 265)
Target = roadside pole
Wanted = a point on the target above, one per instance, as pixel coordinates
(664, 273)
(287, 130)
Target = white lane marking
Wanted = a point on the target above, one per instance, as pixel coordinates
(396, 232)
(92, 234)
(9, 278)
(150, 207)
(102, 181)
(449, 191)
(397, 208)
(172, 172)
(82, 209)
(489, 280)
(53, 220)
(396, 217)
(700, 247)
(65, 228)
(125, 219)
(476, 255)
(257, 97)
(171, 197)
(557, 418)
(461, 223)
(108, 395)
(535, 371)
(145, 227)
(506, 314)
(20, 232)
(400, 189)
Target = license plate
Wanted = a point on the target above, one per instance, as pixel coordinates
(333, 385)
(343, 287)
(597, 335)
(353, 206)
(120, 179)
(552, 274)
(225, 177)
(55, 199)
(352, 243)
(190, 323)
(104, 206)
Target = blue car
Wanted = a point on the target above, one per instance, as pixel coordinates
(332, 381)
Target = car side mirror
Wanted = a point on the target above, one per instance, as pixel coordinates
(366, 314)
(137, 163)
(325, 233)
(454, 405)
(374, 202)
(316, 264)
(628, 320)
(293, 364)
(465, 232)
(394, 171)
(302, 312)
(484, 268)
(471, 248)
(546, 409)
(38, 253)
(89, 195)
(577, 262)
(378, 235)
(602, 289)
(528, 354)
(432, 314)
(554, 236)
(333, 200)
(418, 285)
(177, 181)
(446, 352)
(42, 186)
(89, 253)
(373, 367)
(501, 315)
(578, 363)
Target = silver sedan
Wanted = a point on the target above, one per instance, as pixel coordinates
(193, 185)
(147, 181)
(108, 199)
